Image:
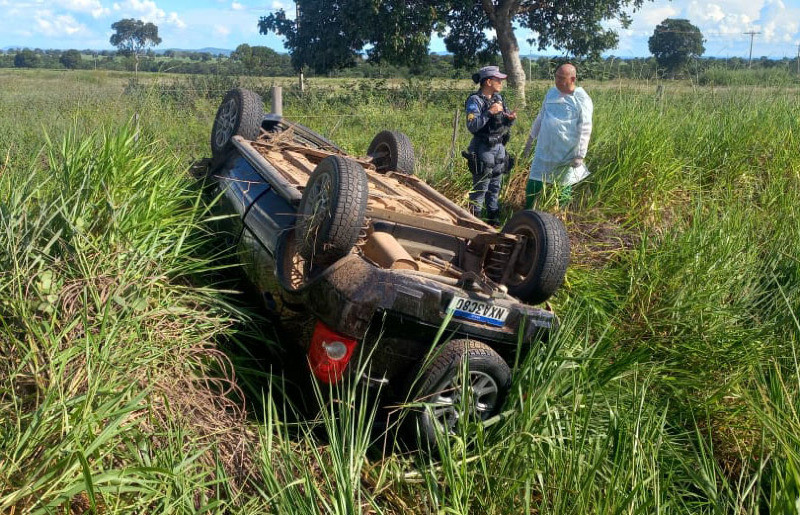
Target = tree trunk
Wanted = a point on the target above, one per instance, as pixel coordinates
(501, 17)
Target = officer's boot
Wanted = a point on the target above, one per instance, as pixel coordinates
(493, 217)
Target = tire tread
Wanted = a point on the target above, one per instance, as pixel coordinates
(402, 152)
(550, 267)
(348, 207)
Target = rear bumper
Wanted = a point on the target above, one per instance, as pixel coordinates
(350, 293)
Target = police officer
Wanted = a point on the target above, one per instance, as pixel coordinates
(489, 121)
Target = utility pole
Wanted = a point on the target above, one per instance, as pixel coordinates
(798, 59)
(751, 34)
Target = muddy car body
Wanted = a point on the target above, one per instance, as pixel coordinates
(376, 261)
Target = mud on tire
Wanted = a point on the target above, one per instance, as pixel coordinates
(331, 211)
(391, 151)
(240, 114)
(540, 268)
(438, 388)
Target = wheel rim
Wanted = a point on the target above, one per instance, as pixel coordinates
(381, 157)
(445, 406)
(226, 122)
(295, 268)
(525, 263)
(317, 207)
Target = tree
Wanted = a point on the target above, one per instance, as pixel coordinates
(132, 37)
(327, 35)
(255, 59)
(674, 42)
(26, 59)
(71, 59)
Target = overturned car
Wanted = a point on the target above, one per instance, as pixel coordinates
(377, 262)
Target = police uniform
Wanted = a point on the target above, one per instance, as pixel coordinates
(486, 152)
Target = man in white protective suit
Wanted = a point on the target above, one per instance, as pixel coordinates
(562, 131)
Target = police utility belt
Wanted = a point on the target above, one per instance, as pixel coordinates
(475, 165)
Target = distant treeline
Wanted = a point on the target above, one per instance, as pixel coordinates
(263, 61)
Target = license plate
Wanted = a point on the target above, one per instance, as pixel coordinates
(477, 310)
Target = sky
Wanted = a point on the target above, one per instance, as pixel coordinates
(195, 24)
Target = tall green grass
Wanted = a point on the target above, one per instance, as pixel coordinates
(671, 386)
(106, 334)
(744, 77)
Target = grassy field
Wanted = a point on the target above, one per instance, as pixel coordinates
(130, 381)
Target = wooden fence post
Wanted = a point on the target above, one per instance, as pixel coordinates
(453, 141)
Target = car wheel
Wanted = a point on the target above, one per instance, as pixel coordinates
(440, 386)
(391, 151)
(240, 113)
(540, 268)
(331, 211)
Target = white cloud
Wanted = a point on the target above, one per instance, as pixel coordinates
(776, 22)
(713, 18)
(723, 24)
(48, 24)
(779, 23)
(148, 11)
(173, 19)
(278, 5)
(93, 7)
(221, 30)
(712, 13)
(236, 6)
(654, 16)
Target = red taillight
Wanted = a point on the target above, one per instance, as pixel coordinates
(329, 353)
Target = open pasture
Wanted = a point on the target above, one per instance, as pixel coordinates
(128, 380)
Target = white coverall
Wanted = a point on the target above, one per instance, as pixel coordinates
(562, 130)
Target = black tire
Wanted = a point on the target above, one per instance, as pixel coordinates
(439, 387)
(540, 268)
(240, 113)
(331, 211)
(391, 151)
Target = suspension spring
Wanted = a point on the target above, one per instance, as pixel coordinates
(498, 259)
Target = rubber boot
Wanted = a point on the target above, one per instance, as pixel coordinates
(493, 217)
(532, 190)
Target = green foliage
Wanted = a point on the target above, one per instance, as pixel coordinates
(71, 59)
(329, 35)
(672, 385)
(97, 238)
(715, 71)
(26, 59)
(577, 28)
(260, 60)
(132, 36)
(674, 42)
(770, 77)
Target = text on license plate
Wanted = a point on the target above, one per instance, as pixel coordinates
(478, 311)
